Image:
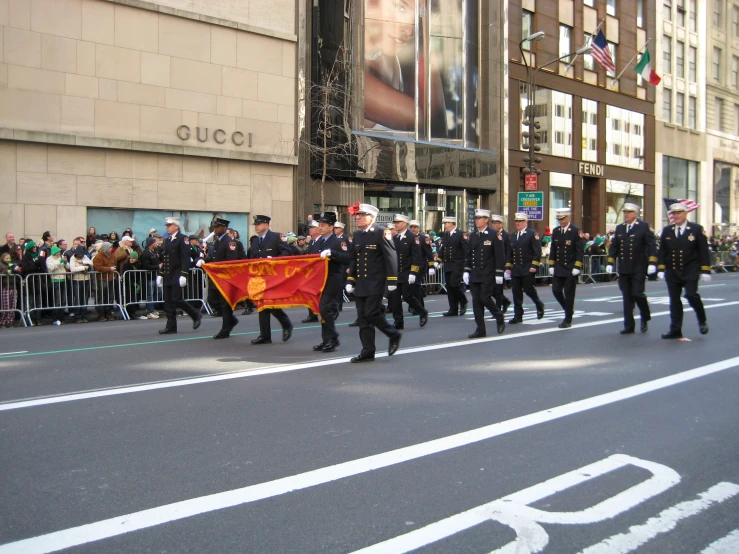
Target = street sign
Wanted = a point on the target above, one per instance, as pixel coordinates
(531, 182)
(532, 204)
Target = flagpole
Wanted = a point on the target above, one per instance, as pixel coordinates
(590, 39)
(628, 65)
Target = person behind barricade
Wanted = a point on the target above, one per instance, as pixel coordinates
(150, 262)
(9, 269)
(9, 243)
(299, 248)
(134, 291)
(225, 248)
(80, 267)
(596, 257)
(56, 265)
(92, 235)
(32, 264)
(104, 264)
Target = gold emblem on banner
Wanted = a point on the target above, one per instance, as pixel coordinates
(257, 286)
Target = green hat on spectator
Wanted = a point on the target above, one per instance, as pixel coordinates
(134, 255)
(55, 250)
(30, 244)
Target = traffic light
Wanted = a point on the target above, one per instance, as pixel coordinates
(531, 138)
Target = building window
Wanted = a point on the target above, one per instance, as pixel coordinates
(667, 54)
(565, 40)
(679, 180)
(692, 55)
(588, 58)
(594, 119)
(616, 123)
(559, 110)
(617, 149)
(623, 136)
(667, 105)
(559, 137)
(527, 26)
(680, 60)
(717, 13)
(691, 112)
(560, 195)
(637, 153)
(667, 10)
(590, 3)
(619, 193)
(718, 113)
(680, 13)
(716, 63)
(589, 130)
(612, 49)
(736, 119)
(735, 71)
(735, 21)
(680, 108)
(725, 190)
(691, 16)
(640, 13)
(611, 7)
(594, 147)
(554, 114)
(637, 130)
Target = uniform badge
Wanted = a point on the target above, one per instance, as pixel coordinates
(344, 246)
(418, 241)
(568, 242)
(232, 246)
(388, 234)
(691, 238)
(487, 243)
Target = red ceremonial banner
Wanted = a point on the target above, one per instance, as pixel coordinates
(284, 282)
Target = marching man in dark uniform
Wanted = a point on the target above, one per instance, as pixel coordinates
(408, 249)
(339, 232)
(483, 270)
(173, 276)
(565, 263)
(522, 263)
(330, 246)
(496, 222)
(374, 266)
(683, 259)
(267, 244)
(453, 253)
(428, 268)
(633, 245)
(224, 248)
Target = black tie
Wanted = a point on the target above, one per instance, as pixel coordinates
(679, 232)
(260, 240)
(519, 235)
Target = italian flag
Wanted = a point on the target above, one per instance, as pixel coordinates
(645, 69)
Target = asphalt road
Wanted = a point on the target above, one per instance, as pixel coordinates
(114, 439)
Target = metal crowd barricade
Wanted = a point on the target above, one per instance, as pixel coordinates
(197, 289)
(542, 272)
(9, 283)
(592, 268)
(140, 287)
(437, 283)
(43, 293)
(718, 263)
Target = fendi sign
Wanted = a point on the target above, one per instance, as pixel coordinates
(219, 135)
(594, 170)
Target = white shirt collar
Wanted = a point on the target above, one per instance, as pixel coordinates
(564, 229)
(681, 227)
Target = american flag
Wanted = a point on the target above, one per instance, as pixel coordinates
(690, 204)
(601, 53)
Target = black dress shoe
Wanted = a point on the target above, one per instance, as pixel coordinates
(234, 323)
(222, 334)
(362, 358)
(462, 310)
(644, 326)
(197, 321)
(287, 332)
(672, 335)
(394, 344)
(248, 311)
(330, 346)
(261, 340)
(703, 327)
(505, 307)
(354, 323)
(319, 347)
(310, 319)
(450, 314)
(540, 311)
(399, 325)
(565, 325)
(501, 326)
(424, 319)
(515, 320)
(168, 332)
(476, 335)
(626, 331)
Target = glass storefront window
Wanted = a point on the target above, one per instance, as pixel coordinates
(560, 195)
(554, 114)
(624, 138)
(726, 197)
(619, 193)
(589, 130)
(679, 182)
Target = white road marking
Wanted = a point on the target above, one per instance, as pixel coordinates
(152, 517)
(667, 520)
(86, 395)
(725, 545)
(515, 508)
(9, 353)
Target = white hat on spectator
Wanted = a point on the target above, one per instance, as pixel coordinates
(171, 220)
(561, 213)
(339, 224)
(519, 216)
(126, 238)
(402, 218)
(415, 223)
(152, 230)
(678, 207)
(449, 219)
(628, 207)
(313, 223)
(482, 213)
(497, 217)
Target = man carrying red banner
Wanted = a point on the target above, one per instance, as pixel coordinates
(374, 267)
(330, 246)
(267, 244)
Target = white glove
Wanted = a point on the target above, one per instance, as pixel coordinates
(507, 276)
(269, 256)
(392, 288)
(432, 272)
(160, 281)
(705, 278)
(199, 263)
(436, 265)
(661, 275)
(575, 272)
(499, 280)
(466, 277)
(183, 282)
(551, 271)
(349, 288)
(651, 269)
(411, 279)
(609, 268)
(326, 254)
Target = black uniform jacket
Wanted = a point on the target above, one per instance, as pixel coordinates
(224, 248)
(454, 251)
(567, 251)
(375, 263)
(685, 257)
(271, 247)
(634, 250)
(410, 260)
(486, 256)
(427, 252)
(340, 256)
(525, 253)
(175, 259)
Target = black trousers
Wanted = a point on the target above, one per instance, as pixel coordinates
(454, 290)
(520, 285)
(632, 290)
(215, 300)
(265, 330)
(329, 309)
(483, 298)
(172, 301)
(675, 286)
(226, 312)
(370, 316)
(408, 293)
(563, 289)
(500, 298)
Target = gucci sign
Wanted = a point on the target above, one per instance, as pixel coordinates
(219, 135)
